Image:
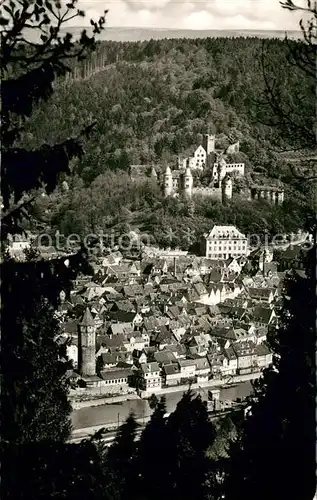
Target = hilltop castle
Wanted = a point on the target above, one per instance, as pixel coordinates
(177, 182)
(207, 156)
(181, 181)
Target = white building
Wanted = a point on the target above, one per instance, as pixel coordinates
(151, 379)
(228, 168)
(224, 242)
(187, 368)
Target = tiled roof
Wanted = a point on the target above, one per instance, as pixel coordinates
(150, 367)
(262, 349)
(246, 348)
(164, 356)
(171, 369)
(121, 328)
(262, 314)
(186, 362)
(115, 374)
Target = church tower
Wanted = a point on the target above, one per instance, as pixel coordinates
(188, 182)
(226, 189)
(209, 143)
(87, 345)
(168, 182)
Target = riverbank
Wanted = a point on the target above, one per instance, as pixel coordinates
(99, 401)
(211, 384)
(111, 416)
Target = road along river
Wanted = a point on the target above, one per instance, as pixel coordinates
(110, 414)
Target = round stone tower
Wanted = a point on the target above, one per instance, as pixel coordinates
(188, 182)
(226, 188)
(221, 169)
(168, 182)
(87, 345)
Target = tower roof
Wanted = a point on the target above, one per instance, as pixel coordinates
(168, 170)
(87, 319)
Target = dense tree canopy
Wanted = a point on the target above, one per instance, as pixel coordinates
(162, 110)
(34, 395)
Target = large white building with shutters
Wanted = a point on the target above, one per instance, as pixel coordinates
(223, 242)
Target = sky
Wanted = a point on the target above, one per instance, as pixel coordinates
(192, 14)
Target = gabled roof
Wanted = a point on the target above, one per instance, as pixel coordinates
(262, 314)
(222, 333)
(262, 349)
(192, 295)
(215, 360)
(171, 369)
(162, 335)
(124, 305)
(201, 363)
(163, 357)
(133, 290)
(199, 288)
(230, 353)
(150, 367)
(108, 358)
(76, 299)
(116, 373)
(173, 312)
(225, 232)
(186, 362)
(179, 349)
(293, 252)
(123, 316)
(215, 276)
(260, 292)
(245, 348)
(212, 263)
(114, 342)
(70, 327)
(270, 266)
(121, 328)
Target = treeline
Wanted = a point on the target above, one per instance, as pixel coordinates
(155, 99)
(112, 202)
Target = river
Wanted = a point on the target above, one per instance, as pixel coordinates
(114, 413)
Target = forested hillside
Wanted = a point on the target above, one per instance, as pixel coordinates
(152, 101)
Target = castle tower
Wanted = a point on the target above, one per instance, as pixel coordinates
(188, 183)
(226, 189)
(87, 345)
(168, 182)
(221, 169)
(209, 143)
